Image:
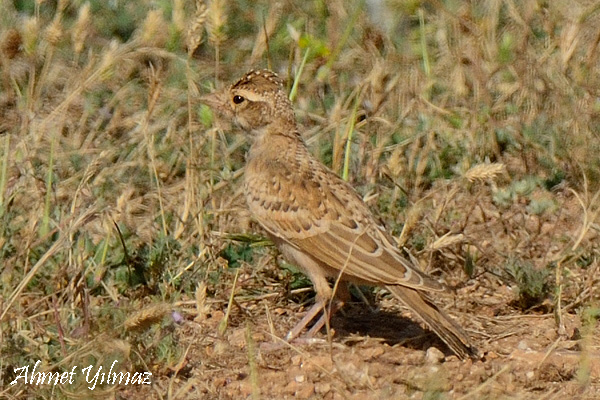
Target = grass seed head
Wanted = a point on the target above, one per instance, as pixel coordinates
(146, 317)
(196, 28)
(81, 29)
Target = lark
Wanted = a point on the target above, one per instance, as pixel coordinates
(316, 219)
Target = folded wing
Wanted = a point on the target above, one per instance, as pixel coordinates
(317, 212)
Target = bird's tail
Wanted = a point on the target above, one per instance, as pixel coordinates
(448, 330)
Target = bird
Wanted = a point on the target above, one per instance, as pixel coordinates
(317, 220)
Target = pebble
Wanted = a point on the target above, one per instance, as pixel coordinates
(434, 356)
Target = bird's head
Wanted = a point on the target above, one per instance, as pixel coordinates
(257, 102)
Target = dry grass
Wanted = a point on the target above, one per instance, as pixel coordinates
(472, 128)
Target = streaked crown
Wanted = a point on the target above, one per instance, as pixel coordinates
(262, 80)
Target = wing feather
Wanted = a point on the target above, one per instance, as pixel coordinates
(324, 217)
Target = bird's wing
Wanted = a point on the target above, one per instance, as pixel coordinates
(313, 209)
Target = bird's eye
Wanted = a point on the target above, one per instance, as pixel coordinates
(238, 99)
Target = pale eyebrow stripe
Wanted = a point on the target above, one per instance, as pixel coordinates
(248, 94)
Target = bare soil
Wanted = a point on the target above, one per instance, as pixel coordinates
(375, 350)
(384, 354)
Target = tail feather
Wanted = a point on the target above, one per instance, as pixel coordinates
(448, 330)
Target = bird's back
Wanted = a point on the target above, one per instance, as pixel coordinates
(298, 199)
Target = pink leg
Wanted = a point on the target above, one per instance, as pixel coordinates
(342, 295)
(325, 318)
(310, 315)
(318, 276)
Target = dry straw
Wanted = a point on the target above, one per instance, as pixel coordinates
(447, 240)
(146, 317)
(153, 31)
(482, 172)
(81, 29)
(11, 43)
(195, 30)
(215, 26)
(31, 29)
(216, 22)
(262, 36)
(54, 32)
(178, 16)
(202, 308)
(412, 218)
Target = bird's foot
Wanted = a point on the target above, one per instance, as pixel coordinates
(293, 336)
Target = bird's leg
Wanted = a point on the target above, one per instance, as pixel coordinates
(341, 296)
(328, 300)
(324, 295)
(310, 315)
(329, 306)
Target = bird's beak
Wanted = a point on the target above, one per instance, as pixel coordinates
(218, 101)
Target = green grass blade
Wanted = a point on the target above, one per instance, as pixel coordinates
(349, 135)
(297, 77)
(4, 172)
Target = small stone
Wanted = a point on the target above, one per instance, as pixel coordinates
(300, 391)
(237, 338)
(434, 356)
(297, 359)
(317, 363)
(300, 378)
(530, 375)
(523, 345)
(291, 387)
(322, 388)
(305, 391)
